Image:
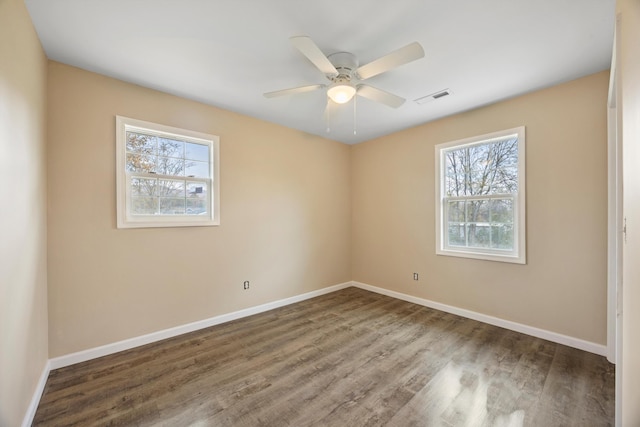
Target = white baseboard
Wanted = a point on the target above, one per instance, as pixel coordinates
(591, 347)
(93, 353)
(112, 348)
(37, 394)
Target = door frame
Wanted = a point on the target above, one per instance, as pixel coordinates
(615, 231)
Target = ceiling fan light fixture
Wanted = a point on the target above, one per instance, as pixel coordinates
(341, 93)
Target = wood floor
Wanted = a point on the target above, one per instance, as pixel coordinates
(349, 358)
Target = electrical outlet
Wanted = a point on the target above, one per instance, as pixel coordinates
(246, 285)
(415, 276)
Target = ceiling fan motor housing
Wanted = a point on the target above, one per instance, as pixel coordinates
(346, 63)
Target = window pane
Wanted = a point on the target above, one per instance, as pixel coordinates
(197, 198)
(456, 211)
(170, 166)
(197, 190)
(487, 223)
(196, 207)
(143, 187)
(478, 211)
(141, 163)
(454, 179)
(170, 188)
(478, 183)
(478, 235)
(141, 143)
(170, 148)
(502, 211)
(502, 236)
(489, 168)
(143, 205)
(171, 206)
(197, 169)
(506, 180)
(196, 152)
(456, 235)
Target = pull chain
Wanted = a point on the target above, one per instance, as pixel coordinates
(354, 114)
(328, 116)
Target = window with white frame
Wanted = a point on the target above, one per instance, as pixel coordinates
(166, 177)
(480, 197)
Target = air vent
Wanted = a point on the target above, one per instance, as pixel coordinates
(433, 96)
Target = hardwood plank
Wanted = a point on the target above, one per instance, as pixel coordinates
(349, 358)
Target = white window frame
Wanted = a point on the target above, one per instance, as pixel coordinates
(123, 189)
(518, 254)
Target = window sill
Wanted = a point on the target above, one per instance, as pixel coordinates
(512, 259)
(167, 222)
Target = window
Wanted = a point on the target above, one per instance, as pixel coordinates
(480, 191)
(166, 177)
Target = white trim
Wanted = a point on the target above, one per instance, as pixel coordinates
(614, 214)
(93, 353)
(615, 250)
(123, 219)
(107, 349)
(518, 255)
(37, 395)
(589, 346)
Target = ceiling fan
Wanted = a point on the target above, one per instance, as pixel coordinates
(345, 75)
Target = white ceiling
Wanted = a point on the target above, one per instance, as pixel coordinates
(227, 53)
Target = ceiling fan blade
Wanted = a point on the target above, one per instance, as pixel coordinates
(293, 91)
(379, 95)
(399, 57)
(313, 53)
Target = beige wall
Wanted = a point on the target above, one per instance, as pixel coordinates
(563, 286)
(629, 104)
(286, 201)
(285, 218)
(23, 283)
